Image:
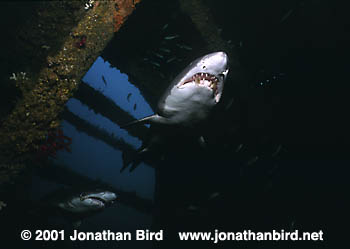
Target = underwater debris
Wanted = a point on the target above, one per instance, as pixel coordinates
(55, 141)
(13, 77)
(2, 205)
(21, 75)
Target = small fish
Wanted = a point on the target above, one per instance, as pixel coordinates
(165, 50)
(213, 195)
(162, 75)
(286, 15)
(2, 205)
(134, 106)
(45, 47)
(292, 226)
(252, 160)
(104, 80)
(171, 37)
(202, 142)
(277, 151)
(229, 104)
(239, 148)
(128, 97)
(154, 63)
(192, 207)
(183, 46)
(165, 26)
(159, 55)
(171, 59)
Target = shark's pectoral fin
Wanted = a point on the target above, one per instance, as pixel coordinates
(147, 120)
(134, 166)
(144, 120)
(128, 157)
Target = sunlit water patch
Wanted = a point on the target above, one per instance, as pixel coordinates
(115, 85)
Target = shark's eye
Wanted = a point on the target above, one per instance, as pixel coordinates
(204, 67)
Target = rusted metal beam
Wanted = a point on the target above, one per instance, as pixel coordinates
(203, 19)
(44, 96)
(99, 103)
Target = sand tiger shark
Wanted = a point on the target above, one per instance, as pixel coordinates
(191, 96)
(73, 204)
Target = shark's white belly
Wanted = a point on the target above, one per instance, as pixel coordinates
(189, 105)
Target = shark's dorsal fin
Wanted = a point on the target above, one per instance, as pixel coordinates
(149, 119)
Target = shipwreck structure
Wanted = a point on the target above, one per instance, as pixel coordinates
(61, 42)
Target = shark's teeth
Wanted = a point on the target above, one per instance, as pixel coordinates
(203, 79)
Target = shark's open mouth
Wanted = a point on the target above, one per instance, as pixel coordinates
(99, 199)
(203, 79)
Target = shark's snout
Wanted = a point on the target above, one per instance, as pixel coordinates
(104, 196)
(88, 201)
(219, 60)
(221, 56)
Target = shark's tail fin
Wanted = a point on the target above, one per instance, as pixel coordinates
(134, 158)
